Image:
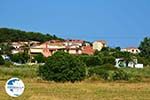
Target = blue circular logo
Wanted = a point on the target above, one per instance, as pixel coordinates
(14, 87)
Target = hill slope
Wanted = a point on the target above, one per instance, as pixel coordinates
(13, 35)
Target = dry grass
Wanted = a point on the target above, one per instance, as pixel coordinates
(40, 90)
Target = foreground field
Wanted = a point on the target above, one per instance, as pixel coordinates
(37, 89)
(40, 90)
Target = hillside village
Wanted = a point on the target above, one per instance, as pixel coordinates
(71, 46)
(31, 47)
(75, 50)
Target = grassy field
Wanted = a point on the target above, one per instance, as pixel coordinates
(37, 89)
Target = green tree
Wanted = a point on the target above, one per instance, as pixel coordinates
(145, 47)
(14, 35)
(91, 60)
(6, 48)
(40, 58)
(62, 67)
(20, 57)
(108, 60)
(118, 48)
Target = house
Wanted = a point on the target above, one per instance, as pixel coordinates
(47, 48)
(133, 50)
(19, 46)
(50, 47)
(121, 62)
(98, 45)
(73, 42)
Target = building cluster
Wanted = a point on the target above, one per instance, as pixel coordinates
(50, 47)
(71, 46)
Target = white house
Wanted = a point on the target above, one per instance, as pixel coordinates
(121, 62)
(133, 50)
(98, 45)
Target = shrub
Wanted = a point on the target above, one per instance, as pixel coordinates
(20, 57)
(101, 70)
(120, 75)
(2, 61)
(62, 67)
(143, 60)
(39, 58)
(108, 59)
(91, 60)
(8, 64)
(109, 72)
(108, 67)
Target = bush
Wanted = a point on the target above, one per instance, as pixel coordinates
(101, 70)
(108, 59)
(8, 64)
(39, 58)
(62, 67)
(2, 61)
(20, 57)
(143, 60)
(108, 67)
(120, 75)
(91, 60)
(109, 72)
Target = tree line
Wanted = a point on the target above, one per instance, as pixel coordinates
(14, 35)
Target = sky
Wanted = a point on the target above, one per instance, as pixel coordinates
(121, 23)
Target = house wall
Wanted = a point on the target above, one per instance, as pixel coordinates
(131, 50)
(98, 46)
(72, 52)
(36, 50)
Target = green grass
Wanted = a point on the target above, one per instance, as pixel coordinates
(138, 74)
(20, 71)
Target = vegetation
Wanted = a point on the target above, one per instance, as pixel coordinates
(23, 71)
(13, 35)
(41, 90)
(20, 58)
(40, 58)
(145, 47)
(91, 60)
(109, 72)
(36, 88)
(5, 48)
(62, 67)
(2, 61)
